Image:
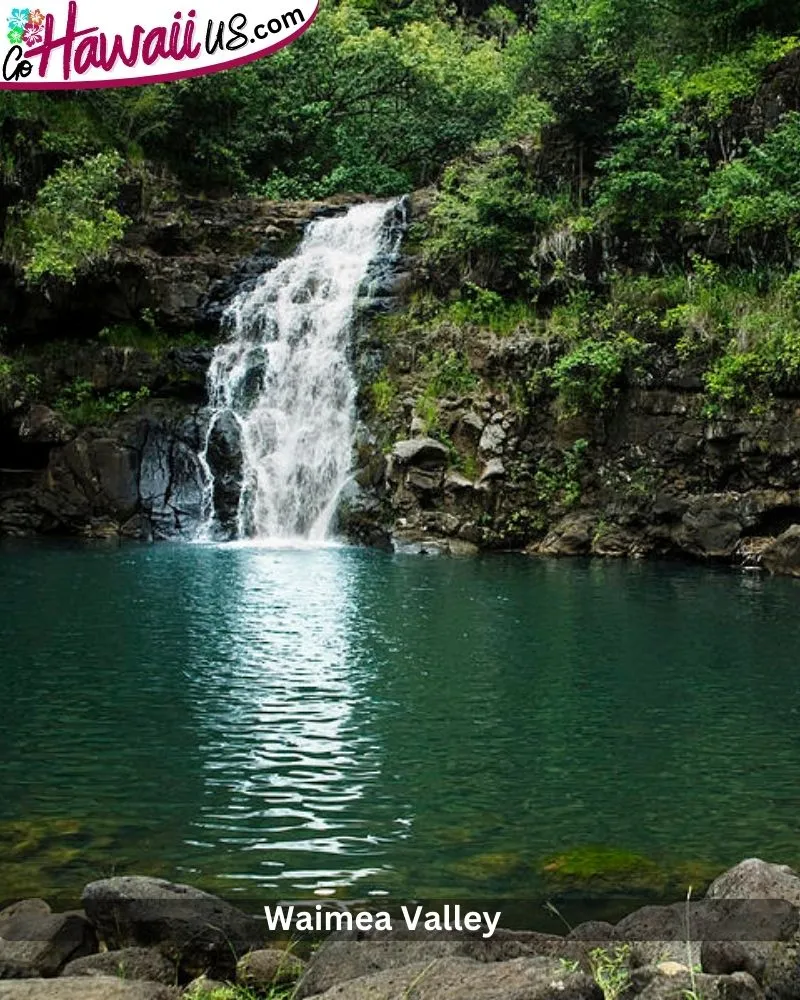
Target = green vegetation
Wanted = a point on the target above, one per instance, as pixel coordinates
(616, 179)
(611, 970)
(17, 384)
(588, 377)
(559, 486)
(145, 336)
(234, 992)
(383, 394)
(71, 223)
(81, 404)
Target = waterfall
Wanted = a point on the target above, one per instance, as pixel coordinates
(279, 440)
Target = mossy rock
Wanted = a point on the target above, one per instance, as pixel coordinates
(488, 866)
(695, 875)
(605, 870)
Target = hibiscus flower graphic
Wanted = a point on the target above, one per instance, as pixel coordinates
(15, 36)
(33, 34)
(36, 18)
(18, 19)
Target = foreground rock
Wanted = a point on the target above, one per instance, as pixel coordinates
(261, 970)
(35, 942)
(198, 932)
(343, 958)
(128, 963)
(83, 988)
(460, 978)
(674, 984)
(759, 937)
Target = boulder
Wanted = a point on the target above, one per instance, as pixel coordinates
(659, 934)
(595, 932)
(781, 970)
(757, 879)
(44, 426)
(268, 967)
(424, 480)
(710, 528)
(224, 458)
(782, 557)
(672, 986)
(493, 471)
(572, 536)
(451, 978)
(342, 959)
(197, 931)
(749, 909)
(83, 988)
(721, 958)
(127, 963)
(35, 943)
(505, 945)
(492, 440)
(116, 468)
(422, 451)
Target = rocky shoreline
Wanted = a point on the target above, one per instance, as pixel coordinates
(140, 938)
(99, 437)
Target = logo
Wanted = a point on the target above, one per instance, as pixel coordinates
(75, 44)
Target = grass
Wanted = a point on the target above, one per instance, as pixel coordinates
(234, 992)
(145, 336)
(81, 404)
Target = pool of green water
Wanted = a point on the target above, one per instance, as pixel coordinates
(277, 723)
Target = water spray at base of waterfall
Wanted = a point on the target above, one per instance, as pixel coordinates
(278, 446)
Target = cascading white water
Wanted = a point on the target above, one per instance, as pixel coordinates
(281, 389)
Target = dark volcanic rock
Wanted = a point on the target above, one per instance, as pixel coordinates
(757, 879)
(268, 967)
(127, 963)
(421, 452)
(225, 461)
(198, 932)
(739, 986)
(83, 988)
(451, 978)
(783, 555)
(35, 942)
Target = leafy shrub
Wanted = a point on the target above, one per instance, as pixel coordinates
(487, 309)
(488, 217)
(559, 486)
(17, 384)
(449, 373)
(761, 191)
(589, 376)
(71, 223)
(655, 175)
(383, 394)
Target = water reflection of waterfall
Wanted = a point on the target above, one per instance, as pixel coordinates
(279, 443)
(288, 770)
